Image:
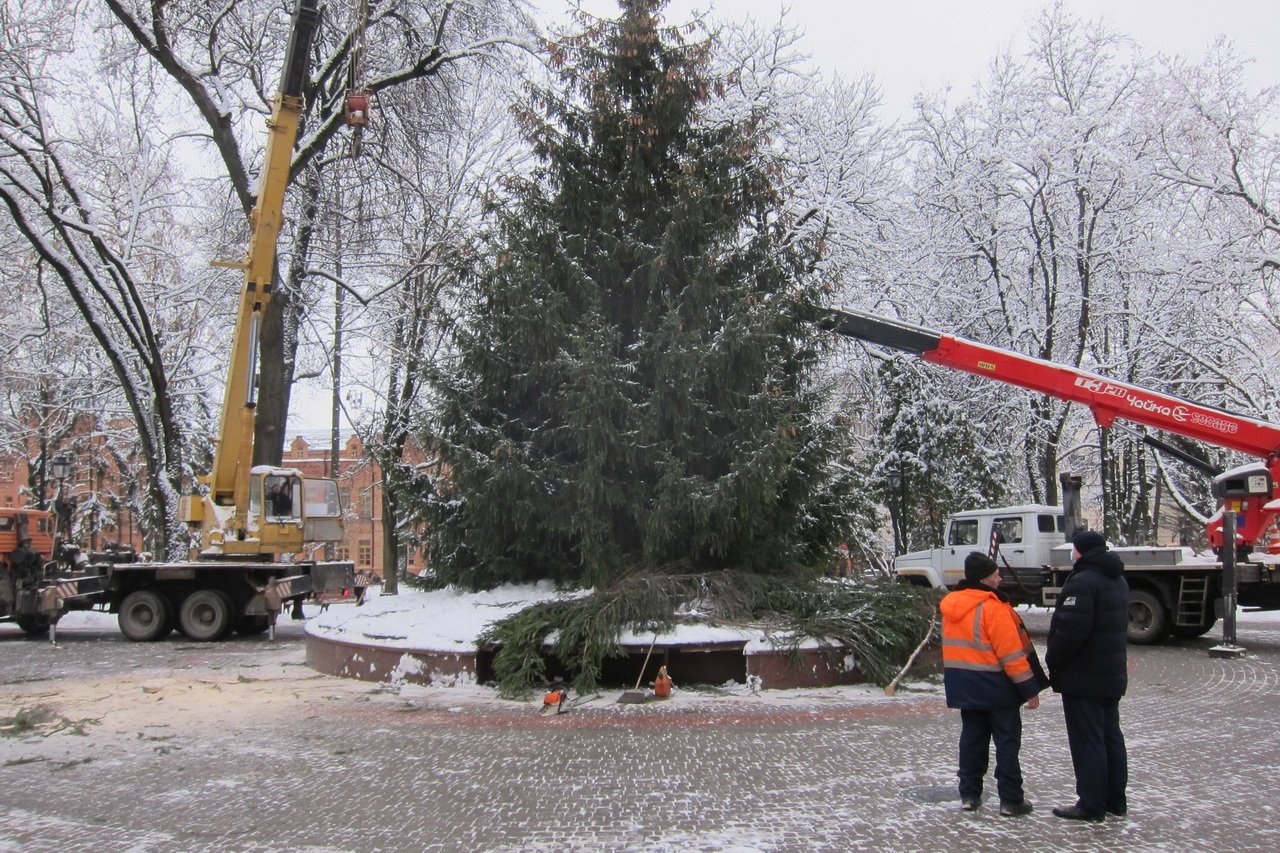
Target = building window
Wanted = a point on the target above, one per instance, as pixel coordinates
(342, 552)
(364, 553)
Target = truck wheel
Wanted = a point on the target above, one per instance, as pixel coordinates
(205, 615)
(250, 626)
(34, 626)
(1148, 621)
(144, 616)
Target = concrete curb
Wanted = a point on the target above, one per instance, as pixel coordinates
(695, 663)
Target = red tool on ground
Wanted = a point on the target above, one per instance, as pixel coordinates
(553, 701)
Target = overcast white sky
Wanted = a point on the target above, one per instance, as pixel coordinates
(921, 45)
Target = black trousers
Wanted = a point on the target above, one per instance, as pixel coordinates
(977, 730)
(1098, 753)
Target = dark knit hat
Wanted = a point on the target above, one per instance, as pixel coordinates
(1086, 540)
(978, 566)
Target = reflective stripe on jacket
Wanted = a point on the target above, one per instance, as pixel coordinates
(986, 652)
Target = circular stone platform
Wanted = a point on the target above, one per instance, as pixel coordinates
(434, 638)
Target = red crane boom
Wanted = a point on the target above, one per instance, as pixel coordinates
(1248, 491)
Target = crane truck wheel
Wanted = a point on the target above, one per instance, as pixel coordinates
(205, 615)
(250, 626)
(34, 626)
(145, 616)
(232, 610)
(1148, 620)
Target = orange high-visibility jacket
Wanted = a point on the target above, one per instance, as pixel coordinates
(986, 652)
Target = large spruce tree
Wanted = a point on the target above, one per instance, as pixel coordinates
(633, 388)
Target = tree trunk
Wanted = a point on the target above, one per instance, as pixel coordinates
(275, 381)
(278, 340)
(390, 540)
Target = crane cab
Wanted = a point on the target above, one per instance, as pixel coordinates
(1246, 491)
(18, 524)
(287, 511)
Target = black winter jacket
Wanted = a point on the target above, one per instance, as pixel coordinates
(1088, 636)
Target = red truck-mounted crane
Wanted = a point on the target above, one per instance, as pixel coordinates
(1171, 589)
(1248, 490)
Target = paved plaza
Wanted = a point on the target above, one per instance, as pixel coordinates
(237, 746)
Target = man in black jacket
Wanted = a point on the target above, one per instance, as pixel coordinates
(1087, 660)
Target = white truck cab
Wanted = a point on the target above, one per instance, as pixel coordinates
(1027, 536)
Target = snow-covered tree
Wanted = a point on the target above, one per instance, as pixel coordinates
(932, 459)
(1058, 232)
(1216, 143)
(633, 390)
(89, 197)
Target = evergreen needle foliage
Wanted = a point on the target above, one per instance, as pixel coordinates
(634, 384)
(880, 623)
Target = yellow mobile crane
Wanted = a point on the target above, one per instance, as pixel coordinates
(260, 513)
(263, 512)
(254, 523)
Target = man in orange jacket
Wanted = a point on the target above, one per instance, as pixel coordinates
(989, 669)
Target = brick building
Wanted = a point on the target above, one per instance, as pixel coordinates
(360, 485)
(13, 474)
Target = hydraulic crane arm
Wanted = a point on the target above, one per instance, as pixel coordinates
(246, 512)
(1108, 399)
(229, 480)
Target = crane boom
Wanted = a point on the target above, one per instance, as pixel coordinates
(252, 512)
(233, 456)
(1107, 399)
(1249, 491)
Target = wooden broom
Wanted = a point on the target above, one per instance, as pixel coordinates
(892, 687)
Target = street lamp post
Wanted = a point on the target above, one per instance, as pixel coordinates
(60, 467)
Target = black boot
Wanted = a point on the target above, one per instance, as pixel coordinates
(1077, 813)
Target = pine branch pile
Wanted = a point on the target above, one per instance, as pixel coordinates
(879, 622)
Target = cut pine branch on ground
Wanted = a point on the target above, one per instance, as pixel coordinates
(877, 622)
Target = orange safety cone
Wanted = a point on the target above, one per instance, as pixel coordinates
(662, 684)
